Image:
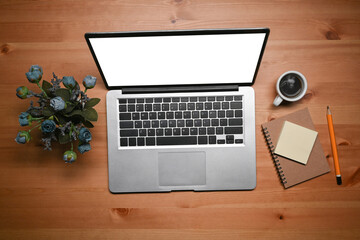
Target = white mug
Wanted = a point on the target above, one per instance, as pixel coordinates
(290, 83)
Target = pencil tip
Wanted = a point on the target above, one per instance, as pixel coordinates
(327, 107)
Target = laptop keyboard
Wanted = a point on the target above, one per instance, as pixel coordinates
(164, 121)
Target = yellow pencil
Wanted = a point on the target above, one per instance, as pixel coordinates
(333, 146)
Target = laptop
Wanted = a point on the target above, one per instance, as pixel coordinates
(180, 108)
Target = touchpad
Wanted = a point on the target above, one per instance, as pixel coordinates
(179, 169)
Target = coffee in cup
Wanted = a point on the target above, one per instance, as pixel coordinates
(291, 86)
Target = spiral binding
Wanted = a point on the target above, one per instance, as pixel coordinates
(276, 159)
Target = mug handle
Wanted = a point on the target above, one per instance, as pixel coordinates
(277, 100)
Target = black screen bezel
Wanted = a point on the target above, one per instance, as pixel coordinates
(177, 33)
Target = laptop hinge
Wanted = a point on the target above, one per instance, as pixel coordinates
(197, 88)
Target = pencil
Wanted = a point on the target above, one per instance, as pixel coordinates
(333, 146)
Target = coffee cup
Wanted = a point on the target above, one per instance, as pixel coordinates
(291, 86)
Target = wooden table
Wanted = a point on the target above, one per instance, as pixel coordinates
(41, 197)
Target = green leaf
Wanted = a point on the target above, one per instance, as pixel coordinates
(62, 120)
(75, 112)
(69, 107)
(90, 114)
(63, 93)
(47, 111)
(46, 85)
(92, 102)
(88, 124)
(63, 139)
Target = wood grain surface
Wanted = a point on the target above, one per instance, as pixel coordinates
(41, 197)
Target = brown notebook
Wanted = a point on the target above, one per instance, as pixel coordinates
(291, 172)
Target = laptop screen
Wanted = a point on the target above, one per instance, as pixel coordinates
(178, 59)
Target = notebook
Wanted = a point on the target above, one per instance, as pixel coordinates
(295, 142)
(291, 172)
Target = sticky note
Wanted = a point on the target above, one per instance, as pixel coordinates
(295, 142)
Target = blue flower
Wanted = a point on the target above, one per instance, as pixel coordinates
(35, 74)
(89, 82)
(57, 103)
(69, 82)
(69, 156)
(22, 92)
(34, 77)
(36, 68)
(48, 126)
(23, 137)
(85, 135)
(84, 148)
(24, 119)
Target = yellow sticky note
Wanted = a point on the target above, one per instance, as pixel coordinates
(295, 142)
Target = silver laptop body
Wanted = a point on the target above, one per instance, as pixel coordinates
(179, 65)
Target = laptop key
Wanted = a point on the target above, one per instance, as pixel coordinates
(239, 141)
(129, 133)
(212, 140)
(142, 132)
(168, 132)
(176, 131)
(161, 115)
(172, 123)
(202, 131)
(195, 114)
(126, 124)
(140, 100)
(125, 116)
(141, 141)
(170, 115)
(131, 108)
(193, 131)
(136, 116)
(229, 98)
(138, 124)
(152, 115)
(233, 130)
(158, 100)
(144, 116)
(221, 141)
(191, 106)
(122, 100)
(178, 115)
(235, 122)
(156, 107)
(165, 107)
(202, 140)
(219, 130)
(181, 140)
(165, 100)
(237, 98)
(182, 106)
(149, 100)
(159, 132)
(122, 108)
(148, 107)
(123, 142)
(132, 141)
(236, 105)
(151, 132)
(238, 113)
(225, 105)
(185, 131)
(163, 123)
(146, 124)
(150, 141)
(216, 105)
(230, 113)
(131, 100)
(184, 99)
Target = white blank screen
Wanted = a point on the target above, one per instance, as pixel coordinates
(173, 60)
